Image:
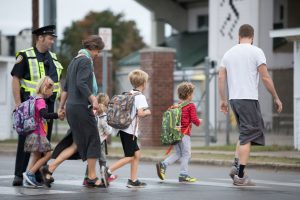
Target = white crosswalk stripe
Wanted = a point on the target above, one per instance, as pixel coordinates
(200, 183)
(6, 176)
(20, 191)
(120, 184)
(265, 182)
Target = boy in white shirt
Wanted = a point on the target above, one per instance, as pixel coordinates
(138, 80)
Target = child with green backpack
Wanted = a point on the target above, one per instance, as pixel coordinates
(185, 92)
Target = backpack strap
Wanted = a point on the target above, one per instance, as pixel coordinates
(183, 104)
(136, 114)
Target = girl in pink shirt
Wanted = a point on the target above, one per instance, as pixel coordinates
(37, 143)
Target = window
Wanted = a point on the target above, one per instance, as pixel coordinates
(202, 22)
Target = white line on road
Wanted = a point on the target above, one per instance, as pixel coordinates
(201, 183)
(6, 176)
(119, 184)
(21, 191)
(266, 182)
(152, 183)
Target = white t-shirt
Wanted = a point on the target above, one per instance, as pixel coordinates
(241, 63)
(139, 102)
(103, 128)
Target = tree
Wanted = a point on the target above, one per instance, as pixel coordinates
(125, 35)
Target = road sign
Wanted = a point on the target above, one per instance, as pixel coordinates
(106, 35)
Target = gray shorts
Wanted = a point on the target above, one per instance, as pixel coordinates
(249, 120)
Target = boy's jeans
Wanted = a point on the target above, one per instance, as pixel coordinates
(183, 152)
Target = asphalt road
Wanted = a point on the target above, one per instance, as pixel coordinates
(213, 183)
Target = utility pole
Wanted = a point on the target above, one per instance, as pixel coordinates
(50, 16)
(35, 18)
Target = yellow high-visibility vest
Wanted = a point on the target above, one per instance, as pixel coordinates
(37, 71)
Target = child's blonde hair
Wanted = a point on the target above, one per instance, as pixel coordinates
(44, 83)
(185, 89)
(102, 98)
(138, 78)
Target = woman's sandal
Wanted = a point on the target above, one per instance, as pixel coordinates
(92, 183)
(45, 171)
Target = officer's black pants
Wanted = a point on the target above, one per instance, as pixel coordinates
(22, 158)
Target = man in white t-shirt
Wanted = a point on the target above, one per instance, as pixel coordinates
(241, 67)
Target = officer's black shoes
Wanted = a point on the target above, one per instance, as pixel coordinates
(18, 181)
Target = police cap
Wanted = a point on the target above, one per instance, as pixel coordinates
(46, 30)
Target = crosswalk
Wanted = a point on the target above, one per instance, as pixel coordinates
(120, 184)
(265, 182)
(20, 191)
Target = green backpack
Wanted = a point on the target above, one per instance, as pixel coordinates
(171, 125)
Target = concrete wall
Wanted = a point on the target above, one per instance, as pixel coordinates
(6, 98)
(297, 94)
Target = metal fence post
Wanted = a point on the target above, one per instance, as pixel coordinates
(207, 67)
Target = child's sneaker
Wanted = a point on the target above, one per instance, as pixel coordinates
(161, 170)
(30, 178)
(135, 184)
(112, 177)
(28, 185)
(186, 178)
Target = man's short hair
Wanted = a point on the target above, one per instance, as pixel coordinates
(137, 78)
(246, 31)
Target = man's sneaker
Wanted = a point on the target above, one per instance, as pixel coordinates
(186, 178)
(234, 171)
(245, 181)
(135, 184)
(161, 170)
(18, 181)
(30, 178)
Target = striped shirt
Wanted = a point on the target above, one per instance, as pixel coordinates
(188, 116)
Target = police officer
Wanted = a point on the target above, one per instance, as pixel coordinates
(31, 65)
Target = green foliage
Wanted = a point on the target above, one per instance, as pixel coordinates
(125, 35)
